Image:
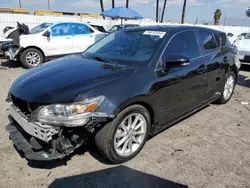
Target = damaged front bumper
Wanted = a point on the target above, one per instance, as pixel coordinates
(12, 53)
(43, 142)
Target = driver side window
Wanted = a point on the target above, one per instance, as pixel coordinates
(184, 43)
(61, 30)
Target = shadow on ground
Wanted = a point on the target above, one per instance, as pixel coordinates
(119, 176)
(243, 81)
(10, 64)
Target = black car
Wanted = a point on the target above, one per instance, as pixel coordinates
(131, 84)
(123, 26)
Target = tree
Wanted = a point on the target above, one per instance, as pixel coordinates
(102, 7)
(217, 16)
(157, 10)
(183, 11)
(127, 2)
(163, 11)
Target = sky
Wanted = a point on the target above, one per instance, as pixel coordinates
(233, 10)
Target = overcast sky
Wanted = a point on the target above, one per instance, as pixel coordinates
(201, 9)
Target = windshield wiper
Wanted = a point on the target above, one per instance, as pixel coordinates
(102, 59)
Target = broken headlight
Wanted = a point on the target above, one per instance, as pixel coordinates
(71, 115)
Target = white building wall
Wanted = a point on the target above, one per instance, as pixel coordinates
(32, 21)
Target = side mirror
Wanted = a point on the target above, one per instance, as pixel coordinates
(47, 34)
(230, 34)
(176, 61)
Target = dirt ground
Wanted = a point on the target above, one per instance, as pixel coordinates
(208, 149)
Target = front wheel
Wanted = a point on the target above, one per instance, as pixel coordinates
(124, 137)
(31, 57)
(228, 88)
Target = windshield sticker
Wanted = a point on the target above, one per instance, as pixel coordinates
(155, 33)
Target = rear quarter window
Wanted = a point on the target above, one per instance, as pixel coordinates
(208, 42)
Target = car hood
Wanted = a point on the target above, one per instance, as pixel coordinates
(65, 79)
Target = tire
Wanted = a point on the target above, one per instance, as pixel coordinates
(223, 99)
(105, 138)
(32, 53)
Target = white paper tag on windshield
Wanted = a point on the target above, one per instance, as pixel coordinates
(155, 33)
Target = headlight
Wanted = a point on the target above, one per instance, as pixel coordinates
(71, 115)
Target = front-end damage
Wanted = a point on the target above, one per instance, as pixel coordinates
(44, 141)
(11, 48)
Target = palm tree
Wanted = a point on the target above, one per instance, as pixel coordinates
(183, 11)
(157, 10)
(163, 11)
(127, 1)
(217, 16)
(102, 7)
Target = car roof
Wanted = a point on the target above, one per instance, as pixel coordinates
(175, 28)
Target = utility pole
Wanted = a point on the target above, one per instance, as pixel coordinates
(183, 12)
(20, 4)
(113, 3)
(163, 10)
(48, 4)
(157, 10)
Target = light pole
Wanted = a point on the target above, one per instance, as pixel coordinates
(225, 19)
(20, 4)
(48, 4)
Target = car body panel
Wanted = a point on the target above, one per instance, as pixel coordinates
(60, 85)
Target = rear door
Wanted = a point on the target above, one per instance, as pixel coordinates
(181, 88)
(212, 59)
(82, 37)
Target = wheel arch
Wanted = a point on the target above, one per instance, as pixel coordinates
(28, 47)
(143, 103)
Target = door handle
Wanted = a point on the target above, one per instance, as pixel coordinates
(225, 59)
(202, 69)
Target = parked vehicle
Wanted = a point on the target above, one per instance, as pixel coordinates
(117, 27)
(50, 40)
(131, 84)
(244, 49)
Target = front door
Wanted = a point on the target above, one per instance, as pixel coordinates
(82, 37)
(181, 89)
(60, 40)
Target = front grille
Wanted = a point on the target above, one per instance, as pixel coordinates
(25, 107)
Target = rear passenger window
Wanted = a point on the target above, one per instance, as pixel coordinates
(184, 43)
(208, 42)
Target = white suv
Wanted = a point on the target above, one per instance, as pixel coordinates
(49, 40)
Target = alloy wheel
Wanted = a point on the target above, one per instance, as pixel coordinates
(33, 58)
(130, 134)
(229, 86)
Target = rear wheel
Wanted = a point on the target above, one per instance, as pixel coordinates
(228, 88)
(31, 57)
(124, 137)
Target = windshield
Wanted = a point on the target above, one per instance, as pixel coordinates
(115, 28)
(40, 28)
(127, 46)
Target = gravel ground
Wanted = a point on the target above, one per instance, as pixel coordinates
(209, 149)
